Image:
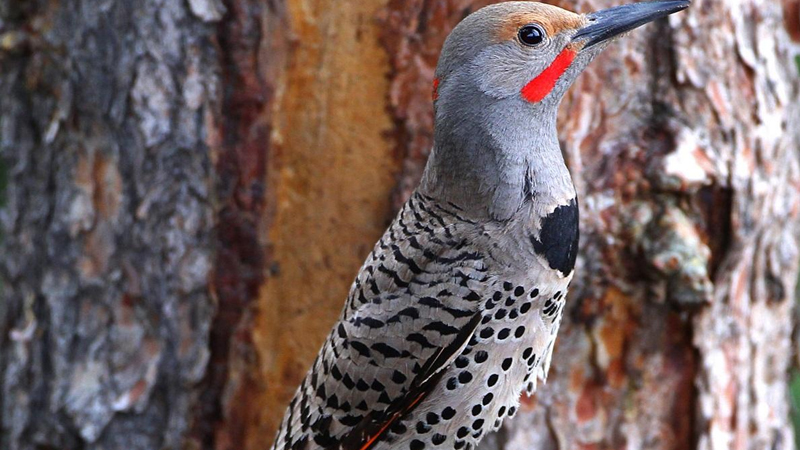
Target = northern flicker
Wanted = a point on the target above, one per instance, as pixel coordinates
(455, 311)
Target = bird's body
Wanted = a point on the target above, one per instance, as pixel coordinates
(436, 280)
(456, 309)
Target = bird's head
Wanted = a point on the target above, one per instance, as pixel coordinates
(501, 75)
(532, 51)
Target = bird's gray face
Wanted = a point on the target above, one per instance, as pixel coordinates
(533, 51)
(501, 75)
(522, 51)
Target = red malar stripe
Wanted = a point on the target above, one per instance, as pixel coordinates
(435, 89)
(539, 87)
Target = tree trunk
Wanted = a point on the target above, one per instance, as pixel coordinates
(192, 186)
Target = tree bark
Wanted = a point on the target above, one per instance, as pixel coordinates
(107, 136)
(192, 186)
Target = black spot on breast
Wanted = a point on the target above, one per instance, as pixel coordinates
(448, 413)
(558, 238)
(423, 427)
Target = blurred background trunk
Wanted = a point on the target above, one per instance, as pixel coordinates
(187, 189)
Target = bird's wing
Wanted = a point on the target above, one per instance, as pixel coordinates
(411, 311)
(373, 426)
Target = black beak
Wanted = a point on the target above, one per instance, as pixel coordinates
(607, 23)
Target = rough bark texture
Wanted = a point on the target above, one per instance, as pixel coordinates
(192, 186)
(109, 220)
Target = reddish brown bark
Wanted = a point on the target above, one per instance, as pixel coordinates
(239, 131)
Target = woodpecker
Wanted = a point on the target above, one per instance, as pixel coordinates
(456, 309)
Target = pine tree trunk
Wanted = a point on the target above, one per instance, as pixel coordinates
(127, 225)
(192, 185)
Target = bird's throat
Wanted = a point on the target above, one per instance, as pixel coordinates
(539, 87)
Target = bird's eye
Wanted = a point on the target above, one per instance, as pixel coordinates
(531, 35)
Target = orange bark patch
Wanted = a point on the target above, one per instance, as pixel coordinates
(612, 336)
(791, 18)
(616, 374)
(107, 197)
(576, 379)
(616, 325)
(137, 391)
(331, 174)
(528, 403)
(587, 405)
